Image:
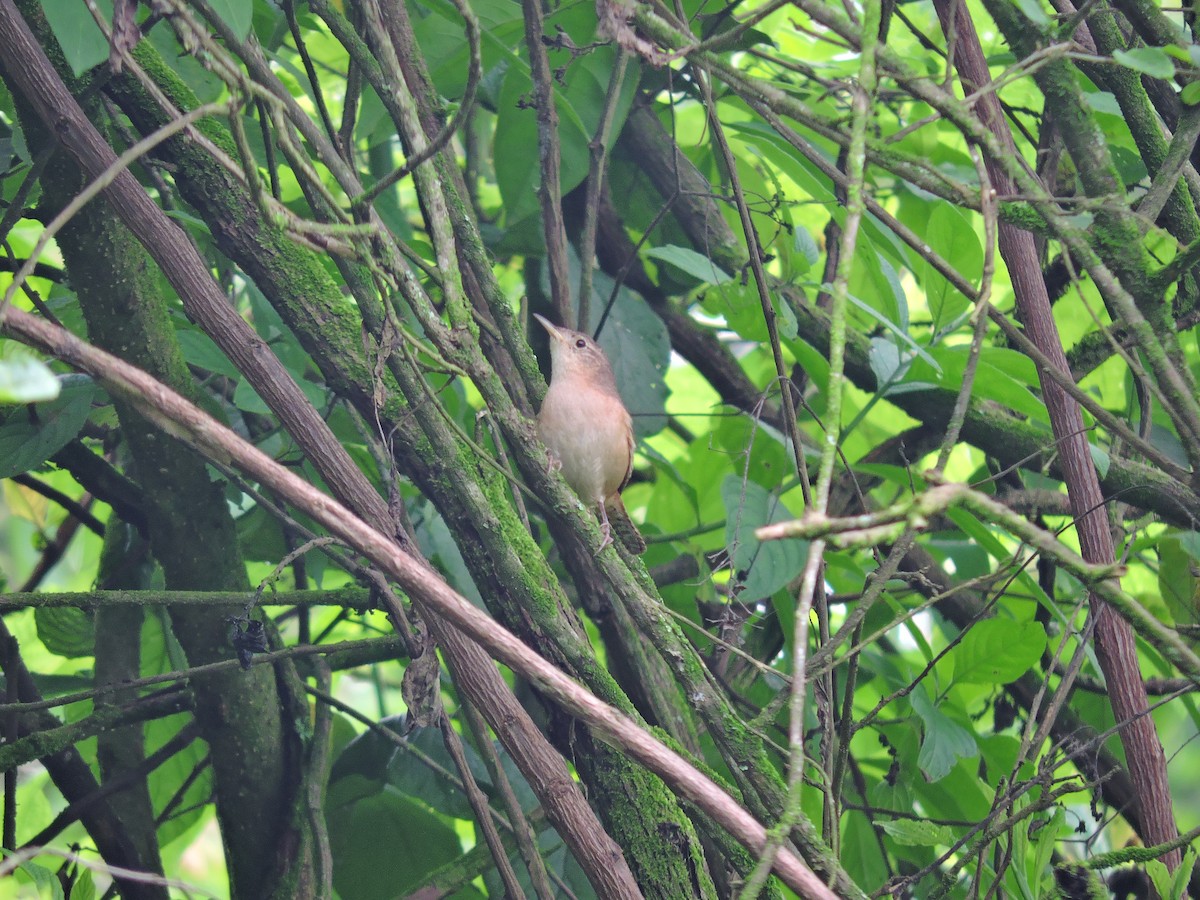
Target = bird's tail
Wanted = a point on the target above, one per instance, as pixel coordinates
(622, 526)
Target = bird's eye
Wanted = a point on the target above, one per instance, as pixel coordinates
(581, 343)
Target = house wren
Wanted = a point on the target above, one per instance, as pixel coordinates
(588, 431)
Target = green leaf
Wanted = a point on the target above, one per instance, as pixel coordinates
(952, 235)
(372, 763)
(998, 651)
(761, 567)
(437, 543)
(900, 333)
(885, 361)
(803, 243)
(29, 436)
(698, 266)
(1190, 94)
(739, 305)
(65, 630)
(247, 399)
(579, 106)
(944, 743)
(46, 882)
(1150, 61)
(875, 288)
(82, 42)
(189, 766)
(200, 350)
(1047, 836)
(83, 887)
(1161, 877)
(1103, 102)
(442, 39)
(799, 169)
(24, 378)
(1033, 11)
(999, 376)
(417, 842)
(860, 849)
(413, 779)
(237, 14)
(1100, 459)
(917, 833)
(1176, 581)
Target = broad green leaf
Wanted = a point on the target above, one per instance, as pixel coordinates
(438, 545)
(860, 849)
(260, 535)
(1176, 581)
(1103, 102)
(773, 146)
(442, 38)
(83, 887)
(989, 541)
(885, 361)
(1055, 826)
(1150, 61)
(415, 780)
(805, 246)
(372, 763)
(579, 106)
(739, 305)
(237, 14)
(917, 833)
(559, 862)
(998, 651)
(1033, 11)
(952, 236)
(785, 318)
(993, 377)
(1168, 885)
(26, 379)
(46, 883)
(1190, 94)
(246, 398)
(65, 630)
(898, 332)
(875, 286)
(200, 350)
(760, 567)
(417, 842)
(698, 266)
(29, 435)
(813, 362)
(82, 42)
(944, 742)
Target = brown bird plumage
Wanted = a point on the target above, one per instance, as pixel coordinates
(588, 431)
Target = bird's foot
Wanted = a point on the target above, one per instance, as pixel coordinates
(605, 529)
(606, 532)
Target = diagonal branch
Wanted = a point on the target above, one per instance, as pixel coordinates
(187, 423)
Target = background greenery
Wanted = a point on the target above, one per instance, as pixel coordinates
(828, 284)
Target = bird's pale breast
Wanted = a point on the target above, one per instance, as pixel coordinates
(589, 437)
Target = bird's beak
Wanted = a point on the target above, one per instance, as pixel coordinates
(555, 332)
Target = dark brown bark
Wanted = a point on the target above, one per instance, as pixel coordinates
(1116, 648)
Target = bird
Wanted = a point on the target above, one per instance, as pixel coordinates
(588, 431)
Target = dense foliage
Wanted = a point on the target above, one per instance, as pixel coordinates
(902, 300)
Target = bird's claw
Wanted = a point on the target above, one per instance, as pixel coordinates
(606, 532)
